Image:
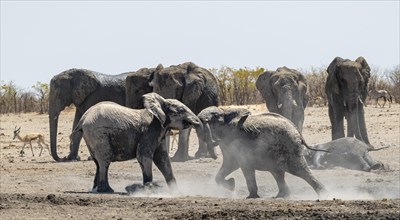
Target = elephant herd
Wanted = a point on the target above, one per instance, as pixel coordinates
(126, 116)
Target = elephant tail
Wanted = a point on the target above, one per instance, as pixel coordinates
(303, 142)
(373, 149)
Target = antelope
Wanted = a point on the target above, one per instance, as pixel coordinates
(172, 133)
(28, 139)
(377, 94)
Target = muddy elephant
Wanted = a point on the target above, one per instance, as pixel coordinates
(82, 88)
(346, 90)
(347, 152)
(285, 93)
(114, 132)
(194, 86)
(267, 142)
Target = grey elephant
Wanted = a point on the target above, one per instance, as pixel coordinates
(82, 88)
(267, 142)
(346, 90)
(116, 133)
(285, 93)
(194, 86)
(347, 152)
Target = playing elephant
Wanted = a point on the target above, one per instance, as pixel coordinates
(83, 88)
(267, 142)
(346, 90)
(285, 93)
(347, 152)
(194, 86)
(116, 133)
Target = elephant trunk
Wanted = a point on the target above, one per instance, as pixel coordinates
(354, 119)
(54, 112)
(206, 140)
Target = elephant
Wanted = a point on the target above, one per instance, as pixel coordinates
(194, 86)
(267, 142)
(346, 89)
(83, 88)
(285, 93)
(347, 152)
(114, 132)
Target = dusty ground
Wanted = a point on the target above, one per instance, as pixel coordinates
(39, 188)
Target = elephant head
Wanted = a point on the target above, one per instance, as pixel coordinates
(69, 87)
(138, 84)
(285, 93)
(219, 120)
(346, 89)
(194, 86)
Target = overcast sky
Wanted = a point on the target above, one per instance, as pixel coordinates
(41, 39)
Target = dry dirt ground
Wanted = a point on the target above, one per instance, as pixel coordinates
(39, 188)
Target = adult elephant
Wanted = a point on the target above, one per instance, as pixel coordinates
(285, 93)
(83, 88)
(346, 89)
(194, 86)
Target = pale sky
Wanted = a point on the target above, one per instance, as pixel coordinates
(40, 39)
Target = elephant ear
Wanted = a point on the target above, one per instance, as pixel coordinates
(331, 82)
(84, 83)
(153, 103)
(264, 84)
(366, 73)
(238, 115)
(138, 84)
(303, 87)
(194, 86)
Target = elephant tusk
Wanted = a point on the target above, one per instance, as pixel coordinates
(360, 100)
(294, 103)
(55, 118)
(280, 106)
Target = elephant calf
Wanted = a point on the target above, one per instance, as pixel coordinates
(267, 142)
(116, 133)
(347, 152)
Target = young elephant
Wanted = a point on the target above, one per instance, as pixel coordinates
(347, 152)
(116, 133)
(267, 142)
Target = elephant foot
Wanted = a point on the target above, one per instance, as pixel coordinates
(200, 154)
(253, 196)
(282, 196)
(70, 158)
(103, 188)
(377, 166)
(147, 188)
(229, 184)
(181, 158)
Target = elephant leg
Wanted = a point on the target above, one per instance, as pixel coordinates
(301, 170)
(226, 169)
(250, 176)
(373, 164)
(284, 191)
(103, 185)
(336, 117)
(161, 160)
(96, 177)
(318, 158)
(76, 139)
(182, 154)
(146, 163)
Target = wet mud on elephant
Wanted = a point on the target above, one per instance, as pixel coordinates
(82, 88)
